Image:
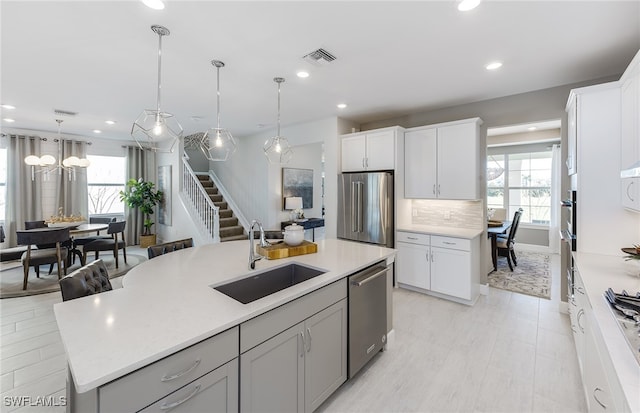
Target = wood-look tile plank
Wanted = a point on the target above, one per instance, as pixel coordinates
(47, 385)
(37, 320)
(28, 333)
(34, 372)
(11, 350)
(6, 381)
(20, 360)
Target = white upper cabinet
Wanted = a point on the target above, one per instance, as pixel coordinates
(442, 161)
(630, 135)
(373, 150)
(572, 137)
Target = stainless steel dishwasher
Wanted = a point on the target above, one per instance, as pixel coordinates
(367, 315)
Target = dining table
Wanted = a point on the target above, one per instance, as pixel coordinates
(493, 232)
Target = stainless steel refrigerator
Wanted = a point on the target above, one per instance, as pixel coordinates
(365, 207)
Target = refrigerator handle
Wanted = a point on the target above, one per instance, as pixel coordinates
(354, 203)
(360, 206)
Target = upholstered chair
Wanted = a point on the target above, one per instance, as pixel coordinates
(92, 278)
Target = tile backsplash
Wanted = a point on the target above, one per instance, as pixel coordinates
(448, 213)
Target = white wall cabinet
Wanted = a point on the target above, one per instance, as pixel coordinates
(572, 138)
(441, 161)
(369, 151)
(446, 266)
(308, 359)
(630, 133)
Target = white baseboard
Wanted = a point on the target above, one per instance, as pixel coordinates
(484, 289)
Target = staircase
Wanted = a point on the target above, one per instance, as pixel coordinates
(230, 229)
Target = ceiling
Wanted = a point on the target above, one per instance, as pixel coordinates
(99, 58)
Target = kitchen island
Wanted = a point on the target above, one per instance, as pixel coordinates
(167, 305)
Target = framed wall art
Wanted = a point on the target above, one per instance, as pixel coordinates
(298, 182)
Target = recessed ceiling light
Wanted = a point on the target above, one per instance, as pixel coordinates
(303, 74)
(493, 65)
(110, 122)
(466, 5)
(8, 106)
(532, 128)
(9, 120)
(97, 131)
(154, 4)
(341, 105)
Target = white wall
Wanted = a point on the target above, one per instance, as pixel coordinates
(256, 186)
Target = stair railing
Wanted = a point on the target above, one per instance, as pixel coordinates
(202, 206)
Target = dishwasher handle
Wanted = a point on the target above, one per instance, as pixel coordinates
(369, 278)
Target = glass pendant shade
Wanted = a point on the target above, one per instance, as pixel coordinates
(154, 129)
(47, 162)
(277, 149)
(494, 170)
(217, 143)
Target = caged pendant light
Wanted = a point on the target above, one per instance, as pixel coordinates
(217, 143)
(154, 129)
(277, 149)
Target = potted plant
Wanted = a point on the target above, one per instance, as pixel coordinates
(140, 194)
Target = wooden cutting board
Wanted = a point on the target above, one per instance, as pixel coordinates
(283, 250)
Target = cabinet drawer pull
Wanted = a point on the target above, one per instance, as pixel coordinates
(309, 335)
(165, 406)
(629, 193)
(181, 373)
(579, 289)
(604, 406)
(413, 238)
(434, 189)
(579, 316)
(449, 243)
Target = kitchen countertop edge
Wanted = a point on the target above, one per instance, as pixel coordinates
(467, 233)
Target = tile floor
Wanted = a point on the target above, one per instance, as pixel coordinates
(508, 353)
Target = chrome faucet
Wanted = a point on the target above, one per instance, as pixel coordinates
(253, 256)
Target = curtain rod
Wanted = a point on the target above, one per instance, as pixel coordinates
(72, 140)
(8, 135)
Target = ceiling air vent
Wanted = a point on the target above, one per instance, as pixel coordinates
(319, 57)
(61, 112)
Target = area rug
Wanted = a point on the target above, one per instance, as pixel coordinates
(531, 276)
(11, 275)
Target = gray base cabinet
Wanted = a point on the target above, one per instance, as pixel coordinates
(216, 391)
(308, 359)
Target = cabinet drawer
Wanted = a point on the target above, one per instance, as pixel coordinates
(215, 391)
(451, 243)
(413, 238)
(143, 387)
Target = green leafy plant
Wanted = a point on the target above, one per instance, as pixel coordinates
(635, 256)
(140, 194)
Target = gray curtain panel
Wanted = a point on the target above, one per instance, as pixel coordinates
(24, 196)
(72, 194)
(140, 164)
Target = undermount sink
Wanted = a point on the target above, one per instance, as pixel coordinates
(264, 283)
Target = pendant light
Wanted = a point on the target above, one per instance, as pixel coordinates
(154, 129)
(47, 162)
(494, 171)
(217, 143)
(277, 148)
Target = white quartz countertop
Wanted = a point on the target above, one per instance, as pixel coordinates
(439, 230)
(599, 272)
(167, 305)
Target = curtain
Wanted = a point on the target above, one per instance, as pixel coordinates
(72, 194)
(554, 219)
(24, 196)
(139, 164)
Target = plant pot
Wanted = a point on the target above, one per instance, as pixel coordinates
(147, 240)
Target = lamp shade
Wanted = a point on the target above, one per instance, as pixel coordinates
(293, 202)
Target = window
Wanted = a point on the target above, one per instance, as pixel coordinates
(105, 180)
(525, 183)
(3, 183)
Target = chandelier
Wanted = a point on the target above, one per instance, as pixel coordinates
(217, 143)
(47, 163)
(277, 149)
(154, 129)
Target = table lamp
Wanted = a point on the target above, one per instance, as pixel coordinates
(292, 203)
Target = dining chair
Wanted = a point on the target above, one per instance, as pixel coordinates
(114, 243)
(92, 278)
(68, 244)
(505, 245)
(82, 241)
(167, 247)
(41, 256)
